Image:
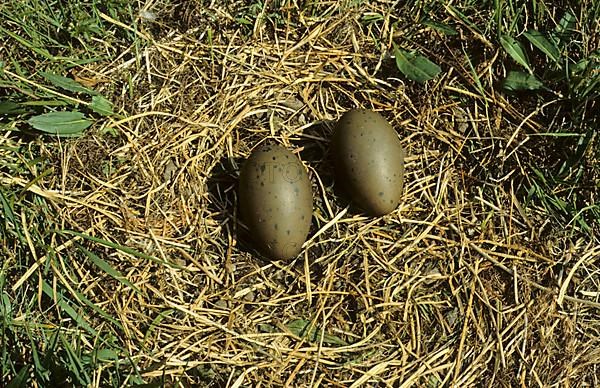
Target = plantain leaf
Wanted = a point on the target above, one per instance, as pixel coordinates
(518, 80)
(515, 50)
(102, 106)
(415, 66)
(66, 83)
(60, 123)
(107, 354)
(544, 44)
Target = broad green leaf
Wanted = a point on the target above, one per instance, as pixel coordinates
(580, 66)
(20, 380)
(518, 80)
(303, 329)
(441, 27)
(106, 354)
(66, 83)
(545, 45)
(565, 27)
(101, 106)
(61, 123)
(415, 66)
(10, 108)
(515, 50)
(104, 266)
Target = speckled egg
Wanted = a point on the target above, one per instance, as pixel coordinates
(276, 200)
(369, 160)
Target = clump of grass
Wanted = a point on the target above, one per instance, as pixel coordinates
(565, 63)
(51, 329)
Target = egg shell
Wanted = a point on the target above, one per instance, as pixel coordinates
(369, 160)
(275, 198)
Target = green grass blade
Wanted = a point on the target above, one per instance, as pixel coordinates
(75, 365)
(82, 298)
(66, 307)
(20, 380)
(9, 216)
(155, 322)
(45, 103)
(41, 51)
(104, 266)
(441, 27)
(127, 250)
(464, 18)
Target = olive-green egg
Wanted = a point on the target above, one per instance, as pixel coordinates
(275, 198)
(369, 160)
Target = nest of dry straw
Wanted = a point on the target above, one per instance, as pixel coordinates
(458, 285)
